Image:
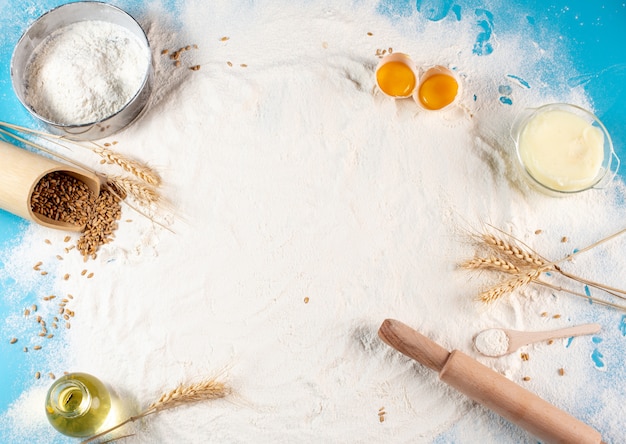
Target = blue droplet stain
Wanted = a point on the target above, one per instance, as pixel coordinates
(456, 9)
(505, 90)
(622, 325)
(506, 100)
(435, 10)
(483, 46)
(588, 293)
(598, 359)
(519, 80)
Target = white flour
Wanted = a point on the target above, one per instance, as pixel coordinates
(492, 342)
(84, 72)
(293, 179)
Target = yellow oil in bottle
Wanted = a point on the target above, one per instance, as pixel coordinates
(438, 91)
(396, 79)
(78, 404)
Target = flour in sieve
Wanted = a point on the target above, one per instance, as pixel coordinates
(85, 72)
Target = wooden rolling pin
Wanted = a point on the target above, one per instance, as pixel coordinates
(489, 388)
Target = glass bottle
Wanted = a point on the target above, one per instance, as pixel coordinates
(78, 404)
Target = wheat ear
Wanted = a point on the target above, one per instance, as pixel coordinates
(519, 280)
(144, 194)
(134, 167)
(206, 390)
(490, 263)
(513, 251)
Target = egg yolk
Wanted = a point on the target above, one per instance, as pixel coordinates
(438, 91)
(396, 79)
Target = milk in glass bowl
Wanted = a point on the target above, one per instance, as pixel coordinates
(564, 149)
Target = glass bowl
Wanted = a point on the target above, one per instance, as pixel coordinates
(563, 149)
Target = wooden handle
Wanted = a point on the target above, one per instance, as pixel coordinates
(412, 344)
(520, 338)
(490, 388)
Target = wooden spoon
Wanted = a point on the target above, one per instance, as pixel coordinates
(501, 341)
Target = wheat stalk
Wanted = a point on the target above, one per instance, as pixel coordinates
(581, 295)
(206, 390)
(135, 167)
(527, 266)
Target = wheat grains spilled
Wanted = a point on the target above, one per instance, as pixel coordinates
(100, 228)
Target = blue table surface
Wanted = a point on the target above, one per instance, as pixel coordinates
(593, 33)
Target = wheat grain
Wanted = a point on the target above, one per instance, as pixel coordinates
(100, 227)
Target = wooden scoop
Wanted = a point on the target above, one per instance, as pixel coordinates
(21, 170)
(489, 388)
(517, 339)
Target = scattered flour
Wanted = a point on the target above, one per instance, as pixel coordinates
(293, 179)
(84, 72)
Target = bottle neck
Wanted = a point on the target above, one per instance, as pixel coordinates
(70, 398)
